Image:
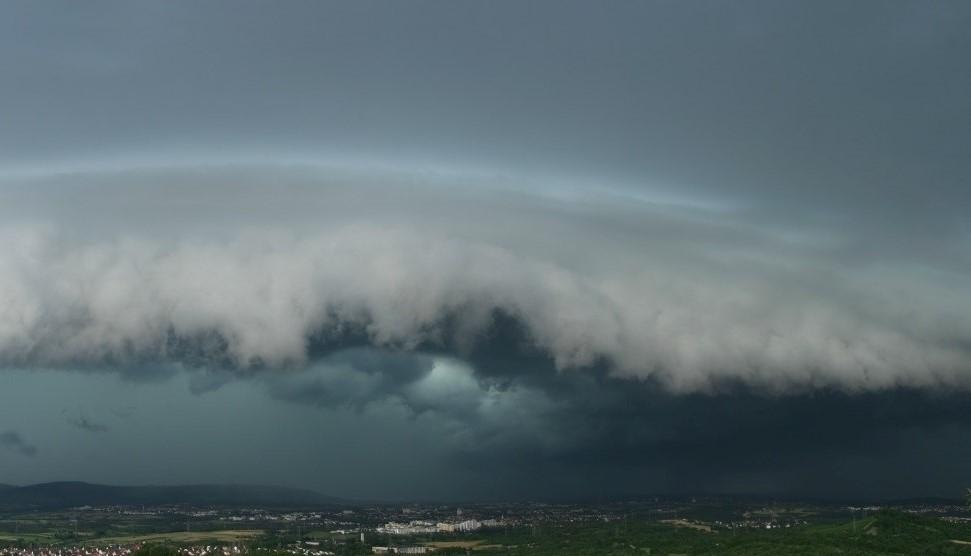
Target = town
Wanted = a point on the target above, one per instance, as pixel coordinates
(414, 528)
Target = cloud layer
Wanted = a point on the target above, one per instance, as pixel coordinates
(120, 270)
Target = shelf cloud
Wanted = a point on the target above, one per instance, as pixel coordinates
(137, 273)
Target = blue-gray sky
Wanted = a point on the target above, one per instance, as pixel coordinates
(465, 249)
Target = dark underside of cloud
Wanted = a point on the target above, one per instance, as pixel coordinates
(510, 414)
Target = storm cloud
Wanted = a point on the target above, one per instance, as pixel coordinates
(594, 244)
(687, 296)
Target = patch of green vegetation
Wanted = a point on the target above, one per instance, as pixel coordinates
(886, 533)
(185, 537)
(156, 550)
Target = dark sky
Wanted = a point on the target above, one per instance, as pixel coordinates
(465, 250)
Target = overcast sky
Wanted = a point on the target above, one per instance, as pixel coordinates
(459, 250)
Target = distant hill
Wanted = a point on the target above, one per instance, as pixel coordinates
(70, 494)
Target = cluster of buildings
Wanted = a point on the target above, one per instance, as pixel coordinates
(401, 549)
(210, 550)
(416, 527)
(113, 550)
(118, 550)
(262, 515)
(313, 549)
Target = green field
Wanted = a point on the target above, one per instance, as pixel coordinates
(178, 537)
(223, 536)
(36, 538)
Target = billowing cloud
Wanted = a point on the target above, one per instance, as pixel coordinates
(130, 273)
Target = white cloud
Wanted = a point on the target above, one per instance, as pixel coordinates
(687, 297)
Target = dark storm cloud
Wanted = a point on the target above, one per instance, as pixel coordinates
(521, 419)
(744, 441)
(14, 442)
(636, 436)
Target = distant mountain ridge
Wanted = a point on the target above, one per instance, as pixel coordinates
(71, 493)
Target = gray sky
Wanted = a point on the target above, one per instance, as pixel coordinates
(468, 249)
